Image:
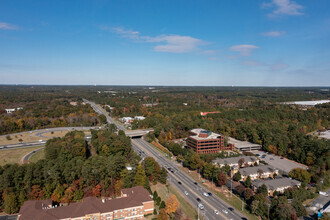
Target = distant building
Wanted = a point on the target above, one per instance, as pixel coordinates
(244, 145)
(139, 118)
(206, 113)
(127, 120)
(11, 110)
(206, 142)
(133, 203)
(279, 184)
(241, 161)
(257, 172)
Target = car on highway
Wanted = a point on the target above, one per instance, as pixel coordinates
(186, 193)
(200, 206)
(205, 194)
(225, 211)
(210, 194)
(216, 212)
(195, 183)
(179, 182)
(271, 158)
(231, 209)
(198, 199)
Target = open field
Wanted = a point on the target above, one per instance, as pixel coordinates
(37, 156)
(26, 137)
(165, 192)
(31, 136)
(15, 155)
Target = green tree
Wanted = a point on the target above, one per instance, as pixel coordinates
(237, 176)
(10, 203)
(140, 177)
(248, 182)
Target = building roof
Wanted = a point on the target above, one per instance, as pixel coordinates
(242, 144)
(198, 131)
(273, 184)
(234, 160)
(37, 209)
(256, 169)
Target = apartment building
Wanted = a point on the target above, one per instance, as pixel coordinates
(133, 204)
(278, 184)
(258, 172)
(206, 142)
(241, 161)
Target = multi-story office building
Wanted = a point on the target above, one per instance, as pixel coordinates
(133, 204)
(206, 142)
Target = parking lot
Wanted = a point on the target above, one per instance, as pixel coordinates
(279, 162)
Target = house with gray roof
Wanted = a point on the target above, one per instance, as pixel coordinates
(278, 184)
(257, 172)
(241, 161)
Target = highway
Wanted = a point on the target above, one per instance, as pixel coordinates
(26, 158)
(40, 133)
(181, 180)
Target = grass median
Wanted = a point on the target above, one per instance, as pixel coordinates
(10, 156)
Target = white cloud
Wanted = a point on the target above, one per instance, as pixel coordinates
(251, 63)
(6, 26)
(208, 52)
(214, 58)
(278, 66)
(273, 33)
(166, 43)
(243, 49)
(284, 7)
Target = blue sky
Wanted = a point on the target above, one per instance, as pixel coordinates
(179, 42)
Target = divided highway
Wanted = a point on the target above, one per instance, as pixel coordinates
(194, 192)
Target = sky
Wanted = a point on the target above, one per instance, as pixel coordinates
(165, 42)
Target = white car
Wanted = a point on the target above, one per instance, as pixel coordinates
(200, 206)
(225, 211)
(205, 194)
(216, 212)
(186, 193)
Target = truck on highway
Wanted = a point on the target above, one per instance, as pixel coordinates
(323, 194)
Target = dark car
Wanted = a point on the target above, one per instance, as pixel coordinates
(231, 209)
(172, 171)
(180, 183)
(195, 183)
(210, 194)
(198, 199)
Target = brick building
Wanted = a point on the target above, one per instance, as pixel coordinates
(133, 204)
(206, 142)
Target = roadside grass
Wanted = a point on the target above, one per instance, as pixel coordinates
(222, 193)
(26, 137)
(37, 156)
(164, 192)
(10, 156)
(30, 137)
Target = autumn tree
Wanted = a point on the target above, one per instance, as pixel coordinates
(162, 214)
(140, 177)
(172, 204)
(222, 179)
